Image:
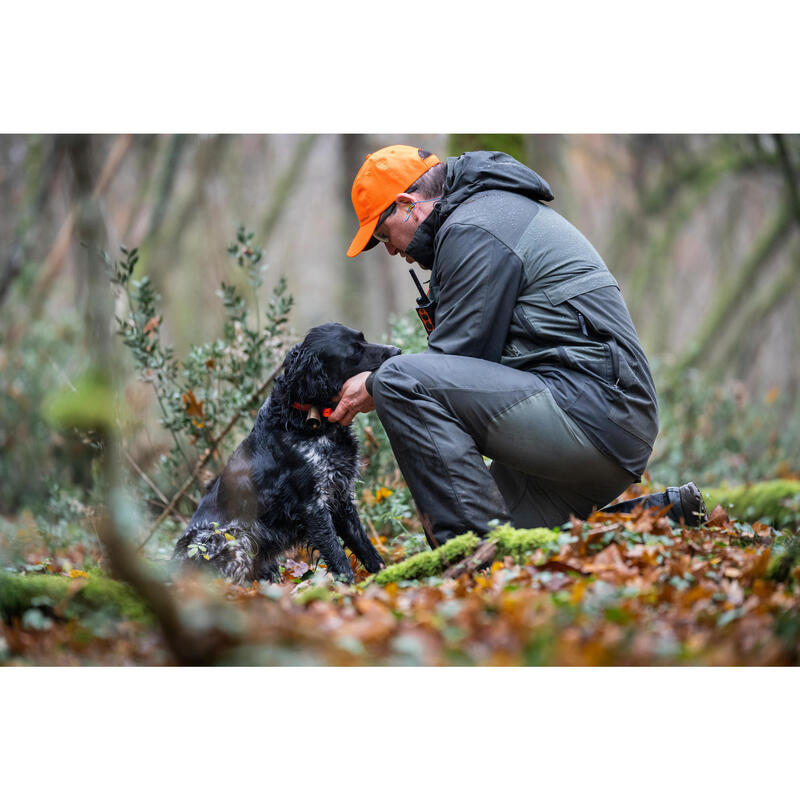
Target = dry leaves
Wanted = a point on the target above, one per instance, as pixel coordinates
(621, 590)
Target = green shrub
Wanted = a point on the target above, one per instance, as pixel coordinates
(34, 455)
(714, 433)
(218, 381)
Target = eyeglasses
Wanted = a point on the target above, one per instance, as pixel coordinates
(382, 237)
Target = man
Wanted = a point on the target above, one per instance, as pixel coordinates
(533, 361)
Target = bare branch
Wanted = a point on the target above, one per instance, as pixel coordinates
(150, 483)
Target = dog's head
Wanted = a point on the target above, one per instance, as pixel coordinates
(315, 369)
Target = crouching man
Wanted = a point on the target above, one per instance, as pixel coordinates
(534, 360)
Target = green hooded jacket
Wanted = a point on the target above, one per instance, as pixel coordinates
(514, 282)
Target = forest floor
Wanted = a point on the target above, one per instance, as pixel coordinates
(616, 590)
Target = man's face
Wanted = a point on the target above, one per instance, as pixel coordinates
(398, 230)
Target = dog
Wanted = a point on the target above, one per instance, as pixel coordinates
(291, 481)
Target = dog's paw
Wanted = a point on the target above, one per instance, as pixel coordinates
(270, 572)
(345, 576)
(374, 564)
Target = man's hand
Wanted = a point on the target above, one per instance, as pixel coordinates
(353, 398)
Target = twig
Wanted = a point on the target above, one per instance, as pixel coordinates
(207, 455)
(482, 557)
(150, 483)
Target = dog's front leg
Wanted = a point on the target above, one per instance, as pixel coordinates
(322, 536)
(349, 527)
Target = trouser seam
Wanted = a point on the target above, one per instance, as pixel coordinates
(508, 408)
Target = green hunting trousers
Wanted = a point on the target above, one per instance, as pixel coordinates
(444, 413)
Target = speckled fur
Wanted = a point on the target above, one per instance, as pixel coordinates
(284, 486)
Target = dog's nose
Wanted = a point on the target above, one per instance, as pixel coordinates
(391, 352)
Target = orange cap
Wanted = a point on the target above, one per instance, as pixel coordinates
(383, 176)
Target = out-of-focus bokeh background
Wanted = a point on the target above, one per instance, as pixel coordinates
(702, 232)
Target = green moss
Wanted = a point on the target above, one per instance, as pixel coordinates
(424, 565)
(777, 503)
(89, 405)
(785, 555)
(100, 593)
(304, 596)
(521, 542)
(515, 542)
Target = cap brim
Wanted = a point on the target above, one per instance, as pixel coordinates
(373, 242)
(363, 239)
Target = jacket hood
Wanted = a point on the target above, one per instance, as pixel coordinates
(468, 174)
(481, 171)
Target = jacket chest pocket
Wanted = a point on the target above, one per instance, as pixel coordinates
(577, 321)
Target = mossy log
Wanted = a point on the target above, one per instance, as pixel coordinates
(98, 592)
(521, 542)
(507, 541)
(432, 562)
(776, 503)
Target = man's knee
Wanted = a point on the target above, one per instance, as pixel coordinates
(396, 378)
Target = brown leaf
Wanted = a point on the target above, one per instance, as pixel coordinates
(191, 404)
(296, 568)
(151, 326)
(718, 518)
(609, 559)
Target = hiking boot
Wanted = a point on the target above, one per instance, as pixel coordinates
(687, 505)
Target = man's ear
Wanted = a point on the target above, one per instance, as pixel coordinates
(405, 199)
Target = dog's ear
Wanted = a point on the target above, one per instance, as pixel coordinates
(304, 376)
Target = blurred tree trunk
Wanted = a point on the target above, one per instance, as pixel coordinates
(90, 236)
(208, 158)
(55, 258)
(352, 287)
(190, 645)
(169, 172)
(43, 158)
(284, 186)
(146, 147)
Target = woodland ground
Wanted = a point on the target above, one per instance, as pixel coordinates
(616, 590)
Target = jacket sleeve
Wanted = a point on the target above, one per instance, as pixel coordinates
(478, 279)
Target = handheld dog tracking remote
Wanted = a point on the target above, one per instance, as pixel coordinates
(425, 306)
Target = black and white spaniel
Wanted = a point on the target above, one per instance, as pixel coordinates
(291, 481)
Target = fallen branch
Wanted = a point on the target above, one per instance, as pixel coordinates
(480, 559)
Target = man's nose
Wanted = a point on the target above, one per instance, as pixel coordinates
(390, 248)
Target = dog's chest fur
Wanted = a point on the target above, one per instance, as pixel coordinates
(333, 467)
